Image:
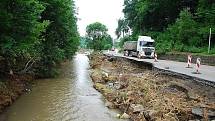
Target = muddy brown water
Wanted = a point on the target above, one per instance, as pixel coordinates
(68, 98)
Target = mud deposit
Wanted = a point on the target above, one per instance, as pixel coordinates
(12, 88)
(146, 95)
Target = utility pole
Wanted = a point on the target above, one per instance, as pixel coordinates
(209, 44)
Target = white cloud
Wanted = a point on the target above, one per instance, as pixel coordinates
(105, 11)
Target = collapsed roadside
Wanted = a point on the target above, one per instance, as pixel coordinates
(143, 94)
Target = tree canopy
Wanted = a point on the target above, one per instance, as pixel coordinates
(122, 28)
(181, 23)
(96, 30)
(97, 36)
(36, 34)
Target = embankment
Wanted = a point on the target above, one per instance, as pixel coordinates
(11, 88)
(147, 95)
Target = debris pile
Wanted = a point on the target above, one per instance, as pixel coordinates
(144, 95)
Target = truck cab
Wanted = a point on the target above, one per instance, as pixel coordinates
(142, 48)
(145, 47)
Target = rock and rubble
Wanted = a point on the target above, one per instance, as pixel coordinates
(146, 95)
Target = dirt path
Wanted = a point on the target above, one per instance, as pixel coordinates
(146, 95)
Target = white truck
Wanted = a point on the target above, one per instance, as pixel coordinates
(143, 48)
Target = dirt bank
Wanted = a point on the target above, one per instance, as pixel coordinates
(11, 88)
(150, 96)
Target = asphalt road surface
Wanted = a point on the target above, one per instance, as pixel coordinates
(206, 72)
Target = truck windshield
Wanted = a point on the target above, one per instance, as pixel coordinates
(146, 44)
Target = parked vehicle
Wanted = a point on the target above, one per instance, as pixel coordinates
(143, 48)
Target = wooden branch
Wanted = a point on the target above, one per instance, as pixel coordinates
(30, 66)
(26, 65)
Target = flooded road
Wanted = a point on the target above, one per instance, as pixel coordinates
(70, 97)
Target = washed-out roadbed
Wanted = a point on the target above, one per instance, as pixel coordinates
(146, 95)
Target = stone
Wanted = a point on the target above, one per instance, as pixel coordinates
(109, 105)
(211, 113)
(197, 111)
(192, 95)
(124, 116)
(110, 84)
(104, 74)
(150, 114)
(96, 76)
(118, 115)
(130, 93)
(200, 112)
(137, 108)
(117, 85)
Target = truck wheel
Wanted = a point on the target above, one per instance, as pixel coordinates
(125, 53)
(129, 53)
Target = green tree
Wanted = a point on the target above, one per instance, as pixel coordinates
(205, 16)
(20, 33)
(96, 30)
(97, 36)
(83, 42)
(182, 34)
(177, 25)
(61, 36)
(122, 28)
(35, 35)
(154, 15)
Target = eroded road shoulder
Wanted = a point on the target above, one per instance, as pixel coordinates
(146, 95)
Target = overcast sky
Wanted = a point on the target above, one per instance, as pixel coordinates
(105, 11)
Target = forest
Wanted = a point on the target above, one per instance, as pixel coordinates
(36, 35)
(176, 25)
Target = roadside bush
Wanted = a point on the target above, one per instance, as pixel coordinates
(212, 51)
(163, 43)
(181, 36)
(194, 49)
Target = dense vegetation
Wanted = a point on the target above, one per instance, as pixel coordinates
(176, 25)
(97, 37)
(36, 35)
